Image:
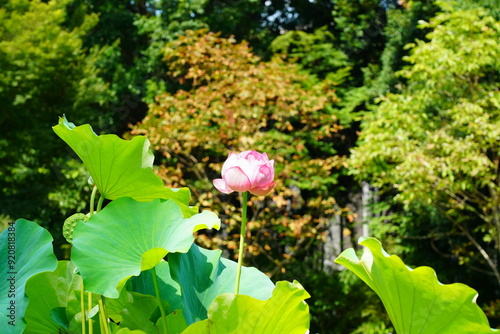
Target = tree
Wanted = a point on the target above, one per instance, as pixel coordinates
(46, 72)
(314, 52)
(436, 141)
(232, 101)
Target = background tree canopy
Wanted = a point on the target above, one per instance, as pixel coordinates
(382, 117)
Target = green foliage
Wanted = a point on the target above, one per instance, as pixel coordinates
(50, 292)
(285, 311)
(340, 302)
(119, 168)
(131, 238)
(436, 142)
(122, 240)
(170, 290)
(100, 61)
(258, 22)
(232, 101)
(215, 276)
(26, 250)
(314, 52)
(400, 30)
(491, 6)
(414, 299)
(242, 19)
(46, 72)
(51, 71)
(134, 311)
(359, 26)
(378, 53)
(280, 16)
(162, 223)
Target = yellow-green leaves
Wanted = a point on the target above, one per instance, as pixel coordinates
(415, 300)
(119, 168)
(128, 236)
(284, 312)
(214, 276)
(53, 301)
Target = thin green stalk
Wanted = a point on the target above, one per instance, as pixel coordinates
(158, 297)
(99, 204)
(89, 307)
(92, 200)
(102, 323)
(89, 294)
(244, 202)
(82, 307)
(102, 316)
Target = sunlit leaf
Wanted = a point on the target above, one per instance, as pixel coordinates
(25, 250)
(176, 323)
(214, 276)
(127, 237)
(136, 312)
(284, 312)
(48, 292)
(128, 331)
(415, 300)
(119, 168)
(169, 289)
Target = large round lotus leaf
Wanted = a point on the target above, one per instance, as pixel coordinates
(170, 290)
(47, 293)
(214, 276)
(284, 312)
(25, 250)
(127, 237)
(415, 300)
(119, 168)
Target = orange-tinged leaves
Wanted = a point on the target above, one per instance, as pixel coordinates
(233, 101)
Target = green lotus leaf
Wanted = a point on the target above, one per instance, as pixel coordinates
(136, 313)
(415, 300)
(128, 236)
(284, 312)
(133, 310)
(176, 323)
(73, 310)
(123, 307)
(128, 331)
(119, 168)
(170, 290)
(25, 250)
(214, 276)
(48, 294)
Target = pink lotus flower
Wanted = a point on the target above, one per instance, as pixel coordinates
(247, 171)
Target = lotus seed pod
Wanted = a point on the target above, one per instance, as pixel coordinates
(70, 224)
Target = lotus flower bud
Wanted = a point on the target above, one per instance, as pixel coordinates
(247, 171)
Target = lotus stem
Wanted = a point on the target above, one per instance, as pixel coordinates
(92, 200)
(89, 294)
(244, 203)
(99, 204)
(82, 307)
(89, 308)
(102, 316)
(158, 298)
